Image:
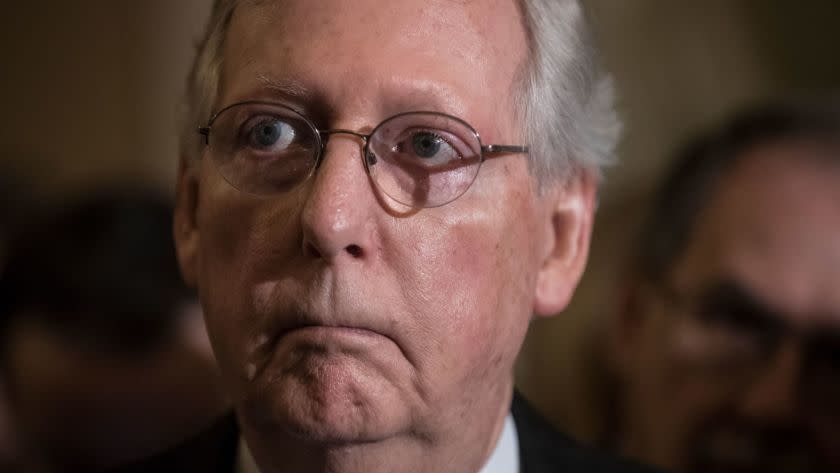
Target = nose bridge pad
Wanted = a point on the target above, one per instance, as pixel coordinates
(370, 158)
(367, 156)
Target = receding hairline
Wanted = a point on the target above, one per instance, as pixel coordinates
(292, 87)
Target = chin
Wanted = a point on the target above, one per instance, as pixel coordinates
(332, 404)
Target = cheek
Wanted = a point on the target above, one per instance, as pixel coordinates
(242, 237)
(469, 284)
(679, 397)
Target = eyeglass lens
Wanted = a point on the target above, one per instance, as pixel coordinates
(738, 344)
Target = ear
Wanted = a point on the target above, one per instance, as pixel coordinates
(185, 228)
(568, 230)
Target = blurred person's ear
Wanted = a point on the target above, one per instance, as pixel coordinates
(567, 235)
(185, 229)
(626, 327)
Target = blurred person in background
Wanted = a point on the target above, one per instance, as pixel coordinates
(727, 346)
(9, 454)
(104, 355)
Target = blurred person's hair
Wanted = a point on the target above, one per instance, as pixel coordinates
(564, 99)
(101, 272)
(6, 208)
(16, 198)
(700, 166)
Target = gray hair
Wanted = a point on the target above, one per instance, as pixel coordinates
(564, 98)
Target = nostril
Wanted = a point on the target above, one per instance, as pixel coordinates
(354, 250)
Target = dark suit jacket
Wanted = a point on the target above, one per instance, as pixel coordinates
(541, 450)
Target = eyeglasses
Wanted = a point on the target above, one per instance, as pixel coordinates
(419, 159)
(735, 341)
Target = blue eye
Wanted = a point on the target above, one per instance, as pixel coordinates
(426, 145)
(271, 133)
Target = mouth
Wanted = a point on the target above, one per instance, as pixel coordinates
(296, 342)
(327, 332)
(323, 334)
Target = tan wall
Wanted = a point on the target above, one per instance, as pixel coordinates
(89, 89)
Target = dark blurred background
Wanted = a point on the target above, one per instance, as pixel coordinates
(91, 90)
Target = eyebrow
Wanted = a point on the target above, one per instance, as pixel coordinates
(288, 87)
(307, 101)
(740, 305)
(317, 106)
(422, 97)
(421, 94)
(752, 309)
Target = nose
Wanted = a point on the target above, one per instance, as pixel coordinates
(773, 397)
(338, 215)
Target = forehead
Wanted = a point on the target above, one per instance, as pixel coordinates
(360, 50)
(773, 226)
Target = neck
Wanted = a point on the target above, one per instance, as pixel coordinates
(458, 446)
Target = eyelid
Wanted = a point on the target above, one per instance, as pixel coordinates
(316, 111)
(457, 144)
(294, 122)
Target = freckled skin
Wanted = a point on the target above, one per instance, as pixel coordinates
(442, 296)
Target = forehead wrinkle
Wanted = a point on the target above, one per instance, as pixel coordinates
(396, 96)
(472, 24)
(474, 30)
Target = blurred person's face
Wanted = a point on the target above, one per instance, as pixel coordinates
(735, 367)
(78, 408)
(337, 314)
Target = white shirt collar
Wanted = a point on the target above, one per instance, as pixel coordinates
(504, 459)
(244, 460)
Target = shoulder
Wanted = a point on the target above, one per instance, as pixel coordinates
(211, 451)
(545, 450)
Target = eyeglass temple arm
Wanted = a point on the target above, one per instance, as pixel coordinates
(493, 149)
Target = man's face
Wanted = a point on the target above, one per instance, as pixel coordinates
(336, 313)
(736, 365)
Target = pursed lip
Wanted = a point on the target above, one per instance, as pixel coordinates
(324, 328)
(352, 330)
(324, 338)
(300, 322)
